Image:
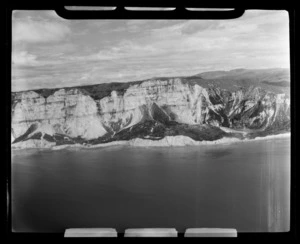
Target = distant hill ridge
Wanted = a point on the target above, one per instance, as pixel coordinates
(276, 80)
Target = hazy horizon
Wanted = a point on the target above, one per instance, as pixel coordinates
(52, 52)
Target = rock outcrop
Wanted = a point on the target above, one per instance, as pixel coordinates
(150, 109)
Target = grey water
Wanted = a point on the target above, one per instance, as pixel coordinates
(242, 185)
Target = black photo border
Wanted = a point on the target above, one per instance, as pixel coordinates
(121, 13)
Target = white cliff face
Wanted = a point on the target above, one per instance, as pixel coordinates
(122, 111)
(73, 113)
(30, 108)
(182, 100)
(64, 112)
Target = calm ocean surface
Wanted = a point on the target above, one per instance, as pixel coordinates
(244, 186)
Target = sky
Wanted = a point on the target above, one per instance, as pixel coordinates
(51, 52)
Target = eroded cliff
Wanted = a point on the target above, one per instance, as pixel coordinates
(150, 109)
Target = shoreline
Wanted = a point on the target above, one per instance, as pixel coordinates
(168, 141)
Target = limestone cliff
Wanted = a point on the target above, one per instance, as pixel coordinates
(151, 109)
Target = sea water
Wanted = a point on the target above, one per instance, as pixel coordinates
(245, 186)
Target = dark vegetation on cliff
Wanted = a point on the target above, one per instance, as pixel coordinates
(149, 129)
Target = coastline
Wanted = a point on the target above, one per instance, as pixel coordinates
(168, 141)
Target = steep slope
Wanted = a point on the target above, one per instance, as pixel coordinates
(150, 109)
